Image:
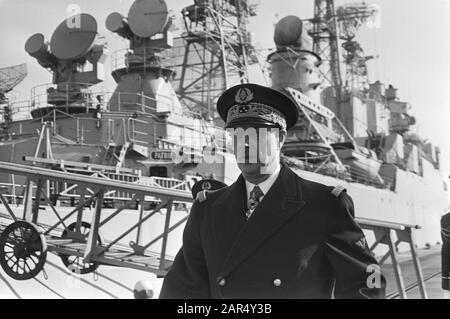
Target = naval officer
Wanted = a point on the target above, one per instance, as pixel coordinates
(271, 234)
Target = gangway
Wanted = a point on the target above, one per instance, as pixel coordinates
(24, 242)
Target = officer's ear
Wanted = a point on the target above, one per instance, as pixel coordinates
(282, 134)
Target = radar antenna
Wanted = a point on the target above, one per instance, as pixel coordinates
(10, 77)
(76, 60)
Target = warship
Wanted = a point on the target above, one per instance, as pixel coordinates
(101, 180)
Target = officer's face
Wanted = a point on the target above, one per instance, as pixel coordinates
(257, 149)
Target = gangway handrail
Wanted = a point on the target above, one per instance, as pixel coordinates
(382, 223)
(38, 172)
(383, 231)
(64, 163)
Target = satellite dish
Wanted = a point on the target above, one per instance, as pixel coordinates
(148, 17)
(73, 42)
(288, 31)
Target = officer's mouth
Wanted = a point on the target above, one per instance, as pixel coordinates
(247, 157)
(248, 161)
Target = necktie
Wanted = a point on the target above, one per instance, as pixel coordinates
(255, 196)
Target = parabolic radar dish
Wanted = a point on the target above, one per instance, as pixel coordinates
(11, 76)
(288, 31)
(147, 18)
(74, 37)
(35, 44)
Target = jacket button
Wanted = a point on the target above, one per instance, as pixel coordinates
(222, 282)
(277, 282)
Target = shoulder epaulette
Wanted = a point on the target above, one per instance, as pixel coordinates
(204, 186)
(337, 190)
(201, 196)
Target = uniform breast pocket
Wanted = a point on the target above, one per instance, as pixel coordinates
(304, 256)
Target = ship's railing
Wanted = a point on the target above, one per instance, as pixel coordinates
(69, 190)
(148, 104)
(145, 103)
(15, 192)
(84, 130)
(84, 95)
(20, 110)
(136, 136)
(184, 152)
(66, 94)
(143, 57)
(78, 132)
(163, 182)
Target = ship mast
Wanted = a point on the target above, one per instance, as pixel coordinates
(214, 52)
(325, 42)
(329, 27)
(351, 17)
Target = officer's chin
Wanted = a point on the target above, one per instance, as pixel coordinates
(249, 164)
(250, 167)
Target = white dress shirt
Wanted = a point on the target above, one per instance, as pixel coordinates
(264, 186)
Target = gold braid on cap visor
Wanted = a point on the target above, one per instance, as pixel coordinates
(256, 110)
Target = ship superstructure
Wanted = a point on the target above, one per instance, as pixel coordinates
(357, 132)
(141, 126)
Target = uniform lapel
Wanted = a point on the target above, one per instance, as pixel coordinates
(281, 203)
(229, 213)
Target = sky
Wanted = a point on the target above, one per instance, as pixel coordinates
(413, 44)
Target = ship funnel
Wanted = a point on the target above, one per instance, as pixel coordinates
(293, 64)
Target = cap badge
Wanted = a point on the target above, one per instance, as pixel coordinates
(206, 186)
(243, 95)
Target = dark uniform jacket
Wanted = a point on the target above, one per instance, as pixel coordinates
(300, 242)
(445, 227)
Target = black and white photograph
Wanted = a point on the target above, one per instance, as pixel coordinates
(247, 150)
